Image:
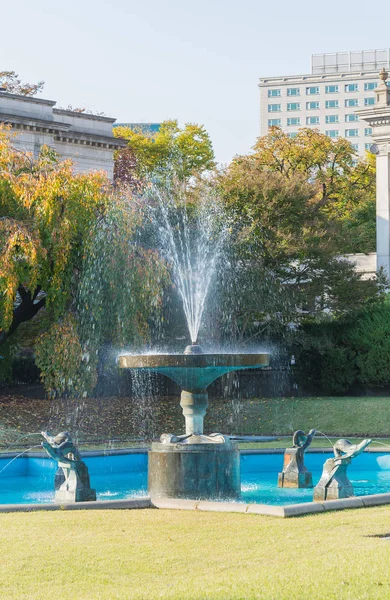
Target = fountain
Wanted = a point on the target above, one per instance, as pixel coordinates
(194, 465)
(295, 474)
(71, 481)
(334, 482)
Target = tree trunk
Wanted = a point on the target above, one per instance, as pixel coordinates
(25, 311)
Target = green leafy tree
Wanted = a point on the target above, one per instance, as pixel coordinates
(344, 184)
(188, 148)
(287, 249)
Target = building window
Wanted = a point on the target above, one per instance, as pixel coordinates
(331, 119)
(293, 106)
(293, 91)
(312, 105)
(351, 87)
(332, 133)
(331, 89)
(312, 120)
(312, 90)
(331, 103)
(352, 102)
(368, 131)
(292, 135)
(274, 122)
(274, 107)
(369, 101)
(273, 93)
(294, 121)
(355, 147)
(368, 146)
(351, 118)
(351, 132)
(370, 86)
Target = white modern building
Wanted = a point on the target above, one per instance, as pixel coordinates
(85, 139)
(326, 99)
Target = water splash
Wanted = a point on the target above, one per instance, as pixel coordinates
(22, 437)
(325, 436)
(18, 455)
(192, 236)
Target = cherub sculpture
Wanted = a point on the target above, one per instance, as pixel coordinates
(71, 482)
(334, 483)
(295, 474)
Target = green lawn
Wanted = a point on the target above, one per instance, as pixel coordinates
(150, 554)
(98, 420)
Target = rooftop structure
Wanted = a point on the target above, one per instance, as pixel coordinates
(84, 138)
(146, 128)
(326, 99)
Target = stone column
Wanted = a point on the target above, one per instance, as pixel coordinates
(378, 118)
(383, 208)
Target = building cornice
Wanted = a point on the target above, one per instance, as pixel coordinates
(90, 139)
(33, 124)
(83, 115)
(375, 116)
(310, 78)
(28, 99)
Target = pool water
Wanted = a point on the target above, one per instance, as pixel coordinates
(117, 477)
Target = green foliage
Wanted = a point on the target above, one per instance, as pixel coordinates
(65, 368)
(285, 265)
(189, 149)
(369, 338)
(342, 183)
(334, 356)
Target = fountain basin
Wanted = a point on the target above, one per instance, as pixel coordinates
(122, 475)
(193, 371)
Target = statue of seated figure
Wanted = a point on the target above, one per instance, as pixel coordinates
(71, 482)
(334, 483)
(295, 474)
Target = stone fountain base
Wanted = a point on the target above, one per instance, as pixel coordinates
(204, 471)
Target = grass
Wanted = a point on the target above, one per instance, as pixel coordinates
(98, 420)
(180, 555)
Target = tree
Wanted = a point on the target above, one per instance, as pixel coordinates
(287, 248)
(9, 80)
(189, 149)
(344, 184)
(50, 221)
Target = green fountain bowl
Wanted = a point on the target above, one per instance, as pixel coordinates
(193, 371)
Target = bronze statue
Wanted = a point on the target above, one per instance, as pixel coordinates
(334, 483)
(71, 482)
(295, 474)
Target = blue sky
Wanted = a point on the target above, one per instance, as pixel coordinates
(194, 61)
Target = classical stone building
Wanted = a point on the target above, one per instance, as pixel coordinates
(85, 139)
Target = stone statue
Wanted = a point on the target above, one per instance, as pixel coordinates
(71, 482)
(334, 483)
(295, 474)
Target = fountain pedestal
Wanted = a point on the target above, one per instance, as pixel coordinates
(201, 471)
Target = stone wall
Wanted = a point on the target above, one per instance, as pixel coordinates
(85, 139)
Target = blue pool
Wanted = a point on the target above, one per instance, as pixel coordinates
(116, 477)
